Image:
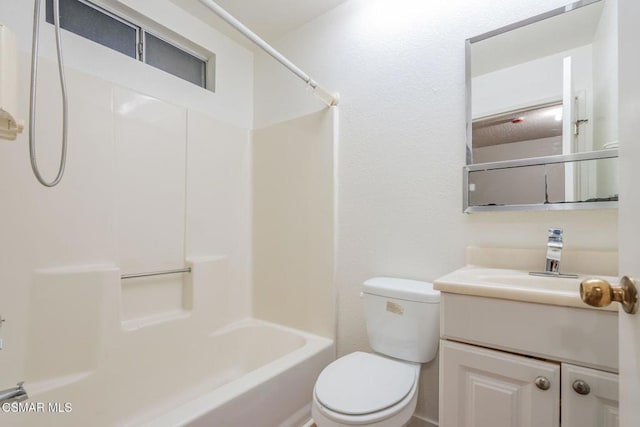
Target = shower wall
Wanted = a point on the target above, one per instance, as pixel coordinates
(293, 222)
(151, 180)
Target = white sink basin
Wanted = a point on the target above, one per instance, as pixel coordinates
(518, 279)
(517, 285)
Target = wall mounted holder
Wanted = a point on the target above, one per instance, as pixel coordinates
(10, 127)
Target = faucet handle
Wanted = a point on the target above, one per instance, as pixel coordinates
(555, 233)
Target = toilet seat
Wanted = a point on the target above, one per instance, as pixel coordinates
(361, 383)
(365, 389)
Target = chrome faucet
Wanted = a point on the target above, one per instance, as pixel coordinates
(554, 251)
(13, 394)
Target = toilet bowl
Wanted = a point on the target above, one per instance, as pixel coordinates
(381, 389)
(366, 389)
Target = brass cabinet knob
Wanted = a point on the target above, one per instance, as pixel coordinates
(600, 293)
(581, 387)
(542, 383)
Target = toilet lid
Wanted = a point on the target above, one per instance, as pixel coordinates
(362, 383)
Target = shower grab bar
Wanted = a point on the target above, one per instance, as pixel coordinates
(155, 273)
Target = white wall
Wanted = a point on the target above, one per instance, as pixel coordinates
(399, 68)
(148, 154)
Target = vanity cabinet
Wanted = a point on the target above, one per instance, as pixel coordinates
(519, 350)
(589, 397)
(488, 388)
(481, 387)
(493, 350)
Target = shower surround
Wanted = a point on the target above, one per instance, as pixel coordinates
(162, 175)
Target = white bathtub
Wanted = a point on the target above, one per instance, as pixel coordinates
(250, 373)
(187, 367)
(266, 374)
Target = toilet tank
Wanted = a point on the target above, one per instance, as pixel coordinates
(403, 318)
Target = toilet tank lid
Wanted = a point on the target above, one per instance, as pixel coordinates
(410, 290)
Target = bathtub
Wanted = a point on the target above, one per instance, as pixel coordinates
(88, 364)
(249, 373)
(268, 373)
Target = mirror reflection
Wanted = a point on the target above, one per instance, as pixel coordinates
(543, 184)
(546, 86)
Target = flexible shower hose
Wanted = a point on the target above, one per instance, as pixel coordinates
(32, 101)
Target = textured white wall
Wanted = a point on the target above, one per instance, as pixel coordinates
(399, 68)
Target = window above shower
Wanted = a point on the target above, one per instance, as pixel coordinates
(131, 39)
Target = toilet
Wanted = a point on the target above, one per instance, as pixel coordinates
(381, 389)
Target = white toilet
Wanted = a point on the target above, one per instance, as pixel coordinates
(381, 390)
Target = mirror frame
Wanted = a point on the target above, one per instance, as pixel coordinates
(534, 161)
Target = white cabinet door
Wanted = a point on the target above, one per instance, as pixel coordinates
(589, 397)
(488, 388)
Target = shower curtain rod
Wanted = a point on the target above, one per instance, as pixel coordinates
(321, 93)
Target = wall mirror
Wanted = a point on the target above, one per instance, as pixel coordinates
(542, 100)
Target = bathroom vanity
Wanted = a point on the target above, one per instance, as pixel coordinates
(520, 350)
